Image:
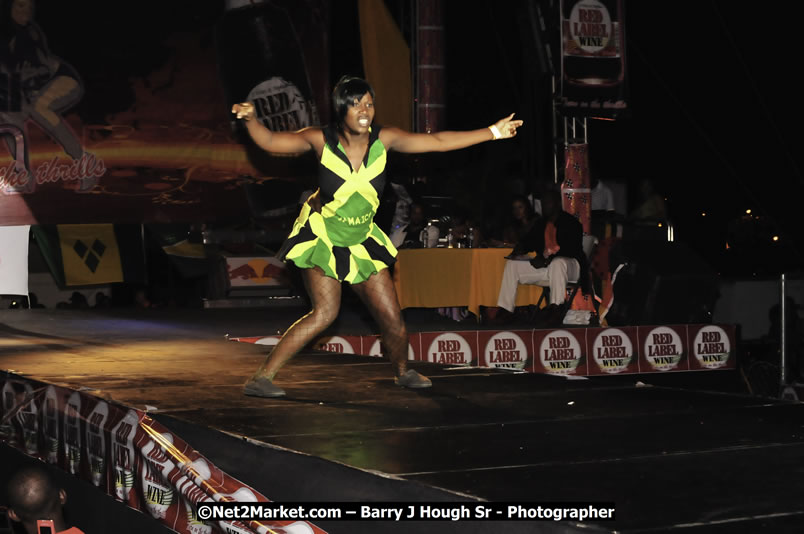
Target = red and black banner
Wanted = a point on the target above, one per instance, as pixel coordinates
(593, 79)
(124, 453)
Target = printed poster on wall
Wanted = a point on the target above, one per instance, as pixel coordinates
(712, 347)
(612, 351)
(663, 348)
(593, 78)
(511, 350)
(560, 352)
(123, 115)
(450, 348)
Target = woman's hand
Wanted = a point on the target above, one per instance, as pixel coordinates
(244, 110)
(505, 128)
(538, 262)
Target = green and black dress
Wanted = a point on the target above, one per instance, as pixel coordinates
(343, 240)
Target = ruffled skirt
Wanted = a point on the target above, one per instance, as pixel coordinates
(309, 246)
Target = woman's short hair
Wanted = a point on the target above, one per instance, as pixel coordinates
(346, 91)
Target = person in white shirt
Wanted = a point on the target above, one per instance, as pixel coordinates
(602, 196)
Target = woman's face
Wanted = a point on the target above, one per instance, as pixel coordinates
(518, 210)
(416, 214)
(22, 11)
(360, 115)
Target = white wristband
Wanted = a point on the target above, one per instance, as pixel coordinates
(495, 131)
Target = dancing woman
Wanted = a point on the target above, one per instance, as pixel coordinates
(334, 239)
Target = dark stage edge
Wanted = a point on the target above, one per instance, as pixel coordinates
(675, 452)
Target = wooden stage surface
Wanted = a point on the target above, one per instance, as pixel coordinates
(689, 451)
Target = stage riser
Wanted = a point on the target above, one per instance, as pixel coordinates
(292, 477)
(571, 351)
(82, 440)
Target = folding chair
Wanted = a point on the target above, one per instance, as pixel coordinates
(589, 244)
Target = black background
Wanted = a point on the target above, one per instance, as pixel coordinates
(714, 105)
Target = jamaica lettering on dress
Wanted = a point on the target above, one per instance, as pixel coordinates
(355, 221)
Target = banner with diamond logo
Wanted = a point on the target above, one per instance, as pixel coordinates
(90, 254)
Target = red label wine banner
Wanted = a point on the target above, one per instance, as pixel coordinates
(563, 351)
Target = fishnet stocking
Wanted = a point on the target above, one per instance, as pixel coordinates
(379, 295)
(325, 297)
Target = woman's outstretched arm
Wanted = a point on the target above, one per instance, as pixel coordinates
(278, 142)
(402, 141)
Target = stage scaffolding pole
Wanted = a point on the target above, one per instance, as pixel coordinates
(144, 255)
(429, 53)
(783, 331)
(787, 389)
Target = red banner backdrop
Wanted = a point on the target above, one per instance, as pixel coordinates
(162, 148)
(126, 454)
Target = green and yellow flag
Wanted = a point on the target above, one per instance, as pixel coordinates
(90, 254)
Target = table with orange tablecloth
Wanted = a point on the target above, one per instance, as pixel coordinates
(445, 277)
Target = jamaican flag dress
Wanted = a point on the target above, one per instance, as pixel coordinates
(343, 240)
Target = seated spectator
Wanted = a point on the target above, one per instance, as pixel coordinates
(410, 235)
(33, 495)
(602, 197)
(402, 207)
(522, 219)
(460, 226)
(603, 210)
(558, 240)
(141, 300)
(102, 300)
(650, 204)
(77, 301)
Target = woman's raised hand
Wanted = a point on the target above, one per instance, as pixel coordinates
(505, 128)
(244, 110)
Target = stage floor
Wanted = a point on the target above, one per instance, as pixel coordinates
(688, 451)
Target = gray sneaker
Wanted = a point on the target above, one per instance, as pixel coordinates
(262, 387)
(412, 379)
